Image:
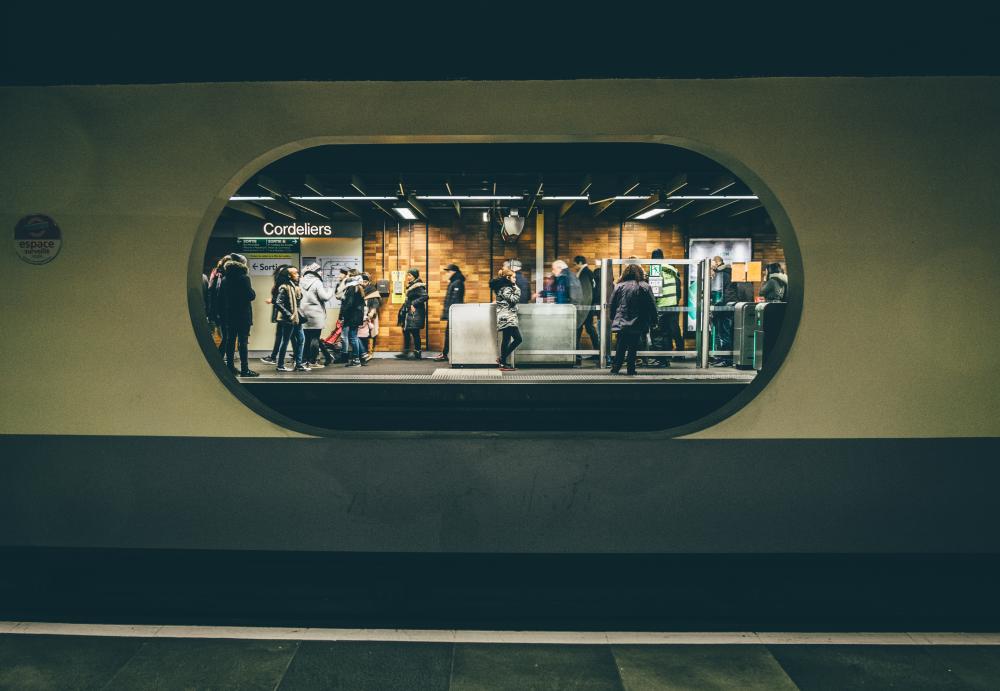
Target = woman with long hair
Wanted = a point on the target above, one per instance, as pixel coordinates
(508, 295)
(272, 358)
(633, 312)
(286, 304)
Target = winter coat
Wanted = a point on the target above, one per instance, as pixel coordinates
(562, 291)
(723, 283)
(523, 286)
(352, 307)
(373, 300)
(286, 303)
(416, 297)
(587, 286)
(632, 306)
(508, 296)
(454, 294)
(213, 301)
(775, 289)
(236, 294)
(315, 295)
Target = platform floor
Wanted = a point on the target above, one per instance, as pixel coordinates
(381, 369)
(231, 659)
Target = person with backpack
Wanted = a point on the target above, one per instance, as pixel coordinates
(775, 288)
(286, 303)
(454, 295)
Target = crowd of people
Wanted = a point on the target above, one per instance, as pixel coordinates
(299, 304)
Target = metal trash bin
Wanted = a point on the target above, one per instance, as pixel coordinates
(473, 333)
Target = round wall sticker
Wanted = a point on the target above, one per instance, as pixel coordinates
(37, 239)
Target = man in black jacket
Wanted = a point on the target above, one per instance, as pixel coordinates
(454, 295)
(236, 295)
(724, 293)
(585, 320)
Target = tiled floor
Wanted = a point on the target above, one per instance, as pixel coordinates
(67, 662)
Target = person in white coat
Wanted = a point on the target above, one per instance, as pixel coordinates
(315, 296)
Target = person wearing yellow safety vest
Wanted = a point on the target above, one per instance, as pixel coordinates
(667, 335)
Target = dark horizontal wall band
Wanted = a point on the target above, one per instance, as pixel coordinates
(474, 493)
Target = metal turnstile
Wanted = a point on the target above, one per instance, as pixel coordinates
(744, 327)
(769, 317)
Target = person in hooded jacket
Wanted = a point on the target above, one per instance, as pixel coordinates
(775, 288)
(213, 302)
(315, 295)
(286, 303)
(236, 295)
(508, 295)
(454, 295)
(352, 312)
(633, 311)
(369, 328)
(413, 313)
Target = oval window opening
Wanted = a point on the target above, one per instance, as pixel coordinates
(496, 287)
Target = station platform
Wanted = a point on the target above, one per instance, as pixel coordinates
(426, 370)
(46, 656)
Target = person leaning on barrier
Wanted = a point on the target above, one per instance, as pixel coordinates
(667, 334)
(454, 295)
(633, 312)
(775, 288)
(588, 296)
(508, 296)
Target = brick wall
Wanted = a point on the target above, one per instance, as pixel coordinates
(466, 242)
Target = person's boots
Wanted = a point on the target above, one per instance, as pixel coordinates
(247, 372)
(416, 354)
(402, 356)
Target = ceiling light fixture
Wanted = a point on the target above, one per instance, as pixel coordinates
(713, 197)
(356, 198)
(471, 198)
(632, 197)
(569, 198)
(251, 199)
(405, 212)
(649, 214)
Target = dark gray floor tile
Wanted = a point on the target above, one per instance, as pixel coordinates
(369, 665)
(978, 666)
(649, 667)
(65, 663)
(191, 663)
(840, 667)
(528, 667)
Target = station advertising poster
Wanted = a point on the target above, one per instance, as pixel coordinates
(37, 239)
(730, 249)
(330, 267)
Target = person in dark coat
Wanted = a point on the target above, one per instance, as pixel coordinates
(236, 295)
(519, 279)
(413, 313)
(590, 295)
(633, 311)
(775, 288)
(352, 312)
(213, 302)
(724, 292)
(454, 295)
(286, 305)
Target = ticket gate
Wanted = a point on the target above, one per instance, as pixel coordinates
(744, 329)
(769, 317)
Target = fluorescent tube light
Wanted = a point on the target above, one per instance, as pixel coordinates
(251, 199)
(711, 197)
(486, 217)
(470, 198)
(405, 212)
(356, 198)
(632, 197)
(649, 214)
(573, 198)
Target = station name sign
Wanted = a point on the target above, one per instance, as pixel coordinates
(296, 230)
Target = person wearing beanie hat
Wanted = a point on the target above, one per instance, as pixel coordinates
(454, 295)
(413, 313)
